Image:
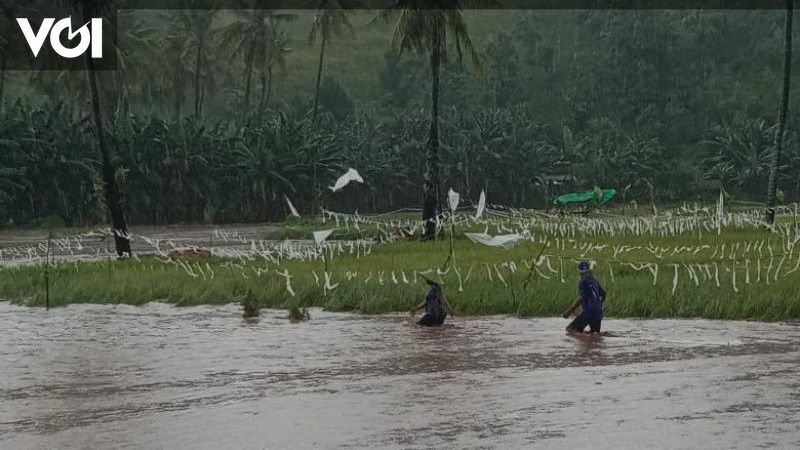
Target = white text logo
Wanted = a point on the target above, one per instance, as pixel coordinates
(87, 37)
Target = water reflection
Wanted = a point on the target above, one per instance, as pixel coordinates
(589, 348)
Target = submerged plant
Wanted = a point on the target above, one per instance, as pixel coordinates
(298, 314)
(251, 307)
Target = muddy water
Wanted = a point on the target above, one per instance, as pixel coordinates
(161, 377)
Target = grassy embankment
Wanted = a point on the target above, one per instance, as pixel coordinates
(745, 273)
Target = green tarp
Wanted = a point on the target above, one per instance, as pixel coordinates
(584, 197)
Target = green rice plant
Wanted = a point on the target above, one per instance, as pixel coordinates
(745, 272)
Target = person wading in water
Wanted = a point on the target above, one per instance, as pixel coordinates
(590, 298)
(435, 305)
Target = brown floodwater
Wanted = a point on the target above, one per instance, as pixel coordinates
(101, 376)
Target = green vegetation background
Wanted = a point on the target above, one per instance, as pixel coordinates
(665, 106)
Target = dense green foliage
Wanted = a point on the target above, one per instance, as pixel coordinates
(210, 120)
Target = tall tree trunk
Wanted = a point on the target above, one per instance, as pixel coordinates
(266, 91)
(2, 78)
(772, 185)
(177, 104)
(430, 181)
(120, 107)
(197, 97)
(249, 70)
(202, 97)
(319, 73)
(263, 94)
(269, 87)
(112, 195)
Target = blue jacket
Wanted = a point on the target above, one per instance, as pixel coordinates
(592, 296)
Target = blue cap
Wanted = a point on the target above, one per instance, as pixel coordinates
(583, 266)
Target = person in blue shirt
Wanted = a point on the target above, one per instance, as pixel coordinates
(435, 304)
(591, 297)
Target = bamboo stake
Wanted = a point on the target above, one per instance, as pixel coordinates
(47, 273)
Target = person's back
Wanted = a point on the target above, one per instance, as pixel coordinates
(590, 298)
(434, 305)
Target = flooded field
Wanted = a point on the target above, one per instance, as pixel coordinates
(99, 376)
(30, 246)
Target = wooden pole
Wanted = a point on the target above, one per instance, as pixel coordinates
(47, 273)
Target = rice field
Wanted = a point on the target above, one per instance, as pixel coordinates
(689, 261)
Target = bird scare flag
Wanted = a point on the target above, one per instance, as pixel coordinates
(507, 241)
(320, 236)
(344, 180)
(453, 199)
(292, 209)
(481, 205)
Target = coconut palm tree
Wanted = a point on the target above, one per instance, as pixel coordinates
(12, 169)
(89, 9)
(172, 78)
(189, 43)
(3, 56)
(272, 57)
(772, 185)
(250, 37)
(331, 20)
(425, 27)
(137, 40)
(8, 12)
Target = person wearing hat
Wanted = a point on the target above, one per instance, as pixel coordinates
(435, 304)
(591, 297)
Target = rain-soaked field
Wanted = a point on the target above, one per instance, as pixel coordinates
(690, 261)
(157, 376)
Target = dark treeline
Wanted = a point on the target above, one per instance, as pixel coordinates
(210, 120)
